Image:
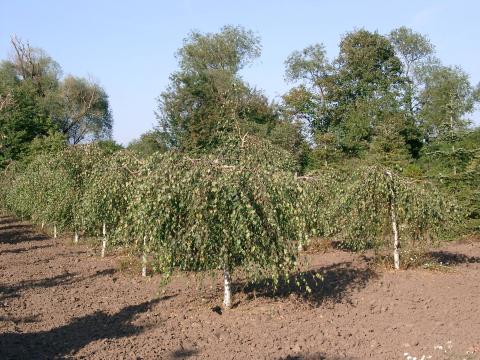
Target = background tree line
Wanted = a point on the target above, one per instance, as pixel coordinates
(383, 99)
(366, 147)
(36, 101)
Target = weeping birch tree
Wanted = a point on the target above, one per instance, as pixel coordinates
(381, 209)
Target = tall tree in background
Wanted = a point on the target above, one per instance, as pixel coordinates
(207, 98)
(34, 101)
(307, 101)
(84, 110)
(148, 144)
(365, 89)
(27, 82)
(447, 97)
(412, 48)
(351, 102)
(416, 51)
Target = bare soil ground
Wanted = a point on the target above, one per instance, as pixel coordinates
(59, 300)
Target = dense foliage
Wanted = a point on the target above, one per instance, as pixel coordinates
(363, 212)
(247, 208)
(373, 148)
(200, 214)
(194, 213)
(35, 101)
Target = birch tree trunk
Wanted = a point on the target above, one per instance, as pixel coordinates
(144, 257)
(55, 231)
(75, 239)
(393, 217)
(300, 247)
(300, 244)
(454, 166)
(104, 240)
(227, 286)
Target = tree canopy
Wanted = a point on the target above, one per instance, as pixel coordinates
(372, 147)
(207, 100)
(35, 100)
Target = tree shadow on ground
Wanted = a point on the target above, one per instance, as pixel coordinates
(16, 226)
(315, 356)
(183, 353)
(66, 340)
(25, 249)
(19, 320)
(450, 258)
(19, 235)
(329, 283)
(6, 219)
(15, 290)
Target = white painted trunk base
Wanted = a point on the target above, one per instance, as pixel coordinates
(144, 258)
(393, 217)
(227, 294)
(104, 240)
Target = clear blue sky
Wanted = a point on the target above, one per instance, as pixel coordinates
(129, 46)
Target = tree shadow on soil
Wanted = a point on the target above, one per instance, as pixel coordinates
(6, 219)
(316, 356)
(329, 283)
(450, 258)
(183, 353)
(66, 340)
(19, 235)
(25, 249)
(19, 320)
(15, 290)
(16, 226)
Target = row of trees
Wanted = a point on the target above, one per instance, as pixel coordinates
(243, 209)
(384, 99)
(367, 148)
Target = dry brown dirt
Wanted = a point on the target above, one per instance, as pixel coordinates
(59, 300)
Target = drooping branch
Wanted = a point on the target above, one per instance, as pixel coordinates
(5, 101)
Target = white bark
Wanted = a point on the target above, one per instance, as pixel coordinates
(75, 239)
(144, 257)
(300, 244)
(54, 231)
(104, 240)
(227, 294)
(454, 166)
(396, 242)
(393, 217)
(43, 224)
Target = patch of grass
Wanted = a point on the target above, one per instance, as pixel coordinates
(411, 259)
